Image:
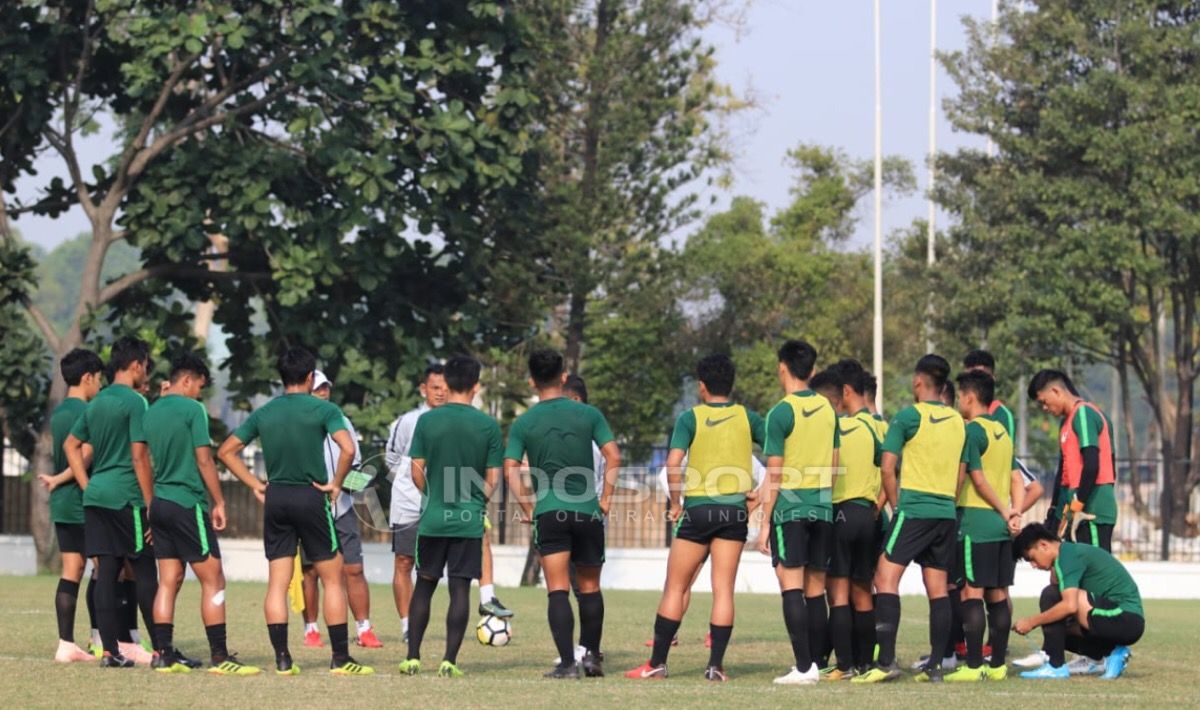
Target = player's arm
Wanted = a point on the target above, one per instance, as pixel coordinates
(230, 456)
(490, 479)
(903, 427)
(418, 474)
(208, 473)
(346, 452)
(141, 467)
(1030, 494)
(887, 475)
(988, 494)
(73, 448)
(612, 469)
(769, 493)
(1064, 609)
(517, 484)
(674, 483)
(66, 476)
(962, 480)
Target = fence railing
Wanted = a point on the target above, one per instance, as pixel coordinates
(638, 516)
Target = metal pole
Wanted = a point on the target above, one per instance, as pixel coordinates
(930, 219)
(877, 366)
(991, 146)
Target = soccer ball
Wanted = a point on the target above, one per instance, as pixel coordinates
(493, 631)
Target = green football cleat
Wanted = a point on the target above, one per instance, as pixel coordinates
(285, 666)
(495, 608)
(232, 666)
(999, 673)
(350, 667)
(449, 670)
(965, 674)
(878, 674)
(410, 667)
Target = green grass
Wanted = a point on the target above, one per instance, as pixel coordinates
(1156, 676)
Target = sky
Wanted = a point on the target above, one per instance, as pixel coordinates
(809, 66)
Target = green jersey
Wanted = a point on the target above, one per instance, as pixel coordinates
(293, 428)
(458, 444)
(66, 501)
(175, 427)
(1098, 573)
(558, 435)
(111, 423)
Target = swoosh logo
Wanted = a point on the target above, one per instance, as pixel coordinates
(935, 420)
(998, 435)
(809, 412)
(708, 421)
(851, 431)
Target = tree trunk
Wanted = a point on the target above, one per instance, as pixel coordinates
(575, 329)
(1178, 466)
(1135, 478)
(39, 500)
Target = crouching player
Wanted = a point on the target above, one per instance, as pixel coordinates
(1095, 610)
(990, 497)
(176, 431)
(718, 439)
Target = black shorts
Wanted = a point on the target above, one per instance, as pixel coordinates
(1107, 621)
(855, 547)
(1093, 533)
(70, 536)
(802, 543)
(581, 534)
(182, 533)
(927, 541)
(298, 515)
(458, 556)
(985, 565)
(704, 523)
(120, 533)
(349, 540)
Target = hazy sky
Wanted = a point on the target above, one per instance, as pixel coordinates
(809, 65)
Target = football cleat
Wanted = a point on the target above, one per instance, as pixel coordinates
(796, 677)
(350, 667)
(495, 608)
(559, 672)
(449, 670)
(411, 666)
(285, 666)
(232, 666)
(1115, 663)
(1047, 672)
(966, 674)
(716, 674)
(312, 639)
(648, 672)
(368, 639)
(117, 661)
(878, 674)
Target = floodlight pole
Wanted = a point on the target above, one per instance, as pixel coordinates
(930, 220)
(877, 366)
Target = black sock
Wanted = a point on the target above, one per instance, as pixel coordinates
(128, 609)
(458, 615)
(145, 570)
(795, 618)
(216, 643)
(562, 626)
(164, 636)
(999, 627)
(65, 600)
(91, 602)
(973, 623)
(841, 631)
(664, 632)
(339, 642)
(956, 624)
(818, 629)
(864, 637)
(418, 614)
(939, 627)
(887, 621)
(1054, 636)
(108, 610)
(720, 642)
(591, 620)
(279, 639)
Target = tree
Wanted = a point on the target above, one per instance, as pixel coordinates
(1088, 216)
(340, 147)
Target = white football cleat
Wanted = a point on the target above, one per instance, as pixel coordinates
(1037, 659)
(794, 677)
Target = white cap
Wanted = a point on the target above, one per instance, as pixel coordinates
(320, 380)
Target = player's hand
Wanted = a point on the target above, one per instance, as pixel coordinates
(673, 512)
(764, 544)
(148, 536)
(330, 489)
(261, 494)
(605, 505)
(1014, 523)
(47, 481)
(1024, 626)
(525, 517)
(218, 516)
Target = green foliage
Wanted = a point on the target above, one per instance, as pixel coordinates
(57, 292)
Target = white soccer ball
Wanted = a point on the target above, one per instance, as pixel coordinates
(493, 631)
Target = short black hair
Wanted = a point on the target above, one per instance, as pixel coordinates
(1047, 377)
(191, 363)
(126, 351)
(799, 357)
(949, 395)
(935, 368)
(295, 365)
(828, 383)
(717, 372)
(870, 384)
(434, 369)
(77, 363)
(852, 375)
(575, 385)
(1030, 536)
(981, 384)
(545, 367)
(462, 373)
(980, 358)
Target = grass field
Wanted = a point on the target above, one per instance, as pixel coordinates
(1158, 674)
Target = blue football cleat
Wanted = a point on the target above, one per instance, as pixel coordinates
(1047, 671)
(1115, 664)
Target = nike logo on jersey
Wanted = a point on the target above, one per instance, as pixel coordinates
(935, 420)
(809, 412)
(998, 435)
(708, 421)
(851, 431)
